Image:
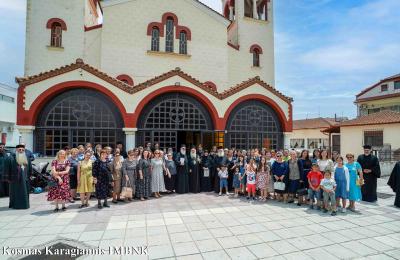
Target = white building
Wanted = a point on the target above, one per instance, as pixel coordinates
(142, 71)
(8, 115)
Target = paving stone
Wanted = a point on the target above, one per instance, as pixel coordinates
(240, 253)
(262, 250)
(208, 245)
(187, 248)
(215, 255)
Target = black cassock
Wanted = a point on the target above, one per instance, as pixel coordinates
(218, 162)
(368, 190)
(194, 174)
(19, 178)
(231, 170)
(394, 183)
(182, 174)
(205, 177)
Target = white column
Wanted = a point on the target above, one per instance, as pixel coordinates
(286, 140)
(130, 138)
(26, 135)
(231, 13)
(255, 14)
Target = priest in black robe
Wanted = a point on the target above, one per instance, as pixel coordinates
(371, 172)
(19, 174)
(182, 170)
(231, 169)
(394, 183)
(220, 160)
(4, 170)
(205, 176)
(194, 171)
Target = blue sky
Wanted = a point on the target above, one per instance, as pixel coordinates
(326, 51)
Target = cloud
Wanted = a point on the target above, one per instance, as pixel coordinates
(14, 5)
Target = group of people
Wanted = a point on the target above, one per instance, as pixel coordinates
(322, 181)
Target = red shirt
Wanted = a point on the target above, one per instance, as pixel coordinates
(315, 178)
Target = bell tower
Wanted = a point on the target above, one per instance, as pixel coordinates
(252, 35)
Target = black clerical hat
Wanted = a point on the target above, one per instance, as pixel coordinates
(20, 146)
(367, 146)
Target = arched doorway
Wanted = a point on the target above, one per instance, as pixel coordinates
(76, 117)
(254, 124)
(173, 119)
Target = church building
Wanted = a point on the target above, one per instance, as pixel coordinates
(162, 71)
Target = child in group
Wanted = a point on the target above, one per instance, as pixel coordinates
(342, 179)
(236, 181)
(251, 181)
(314, 178)
(242, 177)
(328, 185)
(223, 180)
(263, 178)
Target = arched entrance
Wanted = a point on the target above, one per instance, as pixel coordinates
(254, 124)
(173, 119)
(76, 117)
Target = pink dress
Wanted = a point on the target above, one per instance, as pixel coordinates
(60, 192)
(262, 180)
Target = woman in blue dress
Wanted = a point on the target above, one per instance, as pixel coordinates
(343, 183)
(356, 178)
(280, 171)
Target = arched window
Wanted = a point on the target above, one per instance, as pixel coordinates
(182, 43)
(256, 58)
(155, 39)
(256, 50)
(169, 36)
(56, 35)
(56, 25)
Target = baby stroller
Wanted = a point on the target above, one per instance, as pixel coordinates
(40, 177)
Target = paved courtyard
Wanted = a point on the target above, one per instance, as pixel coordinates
(205, 226)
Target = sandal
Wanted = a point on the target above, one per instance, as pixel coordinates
(63, 208)
(82, 206)
(56, 210)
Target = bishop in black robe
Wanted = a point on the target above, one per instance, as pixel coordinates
(371, 172)
(394, 183)
(182, 169)
(194, 172)
(19, 174)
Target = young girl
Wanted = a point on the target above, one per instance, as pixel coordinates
(342, 179)
(251, 181)
(263, 177)
(236, 181)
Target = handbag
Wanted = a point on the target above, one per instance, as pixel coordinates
(127, 192)
(279, 185)
(359, 182)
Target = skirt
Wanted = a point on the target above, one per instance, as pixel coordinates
(293, 186)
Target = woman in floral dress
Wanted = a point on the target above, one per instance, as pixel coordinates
(60, 171)
(263, 177)
(143, 189)
(102, 177)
